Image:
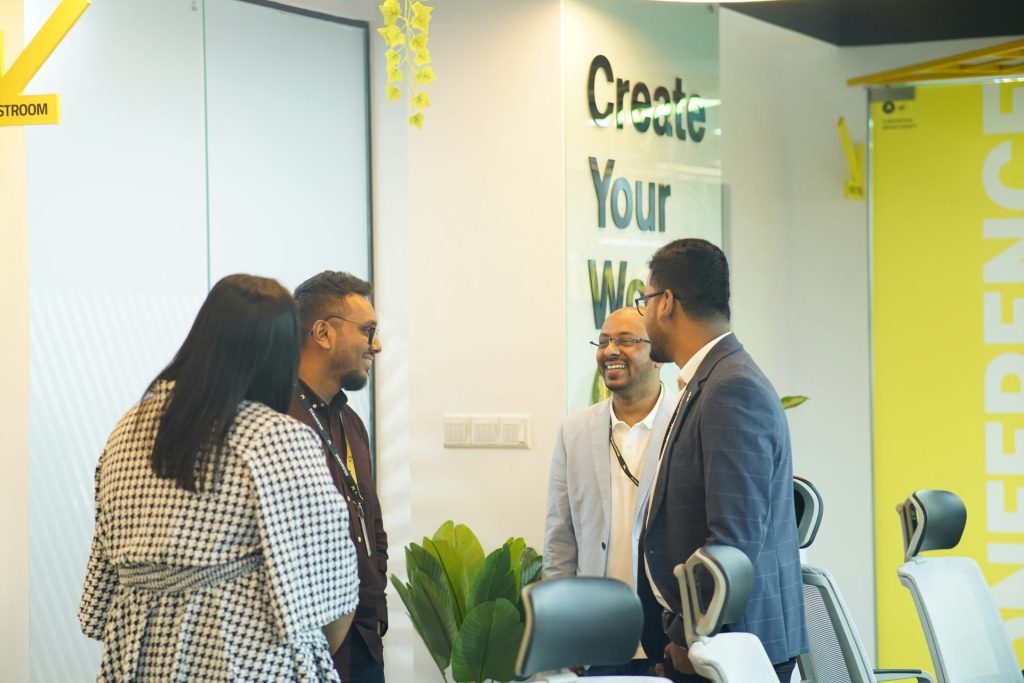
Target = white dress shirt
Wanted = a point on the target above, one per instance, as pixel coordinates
(632, 442)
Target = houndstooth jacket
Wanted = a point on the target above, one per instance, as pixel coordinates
(229, 584)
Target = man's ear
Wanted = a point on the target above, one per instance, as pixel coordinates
(668, 300)
(319, 334)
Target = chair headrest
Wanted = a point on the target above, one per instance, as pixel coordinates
(714, 585)
(809, 507)
(577, 621)
(931, 520)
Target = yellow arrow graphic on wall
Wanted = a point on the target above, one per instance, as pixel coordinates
(17, 109)
(854, 187)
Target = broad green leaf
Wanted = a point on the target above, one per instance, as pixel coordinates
(496, 580)
(461, 555)
(792, 401)
(530, 567)
(465, 544)
(433, 606)
(411, 562)
(423, 565)
(532, 571)
(405, 592)
(458, 580)
(528, 556)
(419, 560)
(428, 545)
(487, 644)
(516, 546)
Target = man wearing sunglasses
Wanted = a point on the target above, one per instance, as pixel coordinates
(604, 461)
(341, 343)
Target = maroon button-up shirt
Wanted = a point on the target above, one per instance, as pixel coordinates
(371, 620)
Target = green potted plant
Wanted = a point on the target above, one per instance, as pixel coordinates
(466, 606)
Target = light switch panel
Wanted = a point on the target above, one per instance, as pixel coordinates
(486, 431)
(456, 431)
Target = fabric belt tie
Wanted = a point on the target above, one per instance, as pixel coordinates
(157, 578)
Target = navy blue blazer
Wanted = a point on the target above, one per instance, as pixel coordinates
(726, 476)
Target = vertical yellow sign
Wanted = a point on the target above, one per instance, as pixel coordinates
(947, 183)
(17, 109)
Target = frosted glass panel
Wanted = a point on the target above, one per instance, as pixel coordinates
(117, 190)
(128, 228)
(288, 145)
(117, 263)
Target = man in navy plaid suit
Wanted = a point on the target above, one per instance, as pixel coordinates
(726, 472)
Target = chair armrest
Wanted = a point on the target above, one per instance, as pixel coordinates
(903, 674)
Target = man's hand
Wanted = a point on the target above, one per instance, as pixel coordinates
(680, 658)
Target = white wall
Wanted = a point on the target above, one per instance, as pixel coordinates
(799, 256)
(486, 261)
(13, 376)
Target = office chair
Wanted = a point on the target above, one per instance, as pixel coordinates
(836, 653)
(577, 621)
(724, 573)
(966, 636)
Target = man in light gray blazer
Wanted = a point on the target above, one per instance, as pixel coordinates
(603, 465)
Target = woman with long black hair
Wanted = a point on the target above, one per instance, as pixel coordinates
(219, 552)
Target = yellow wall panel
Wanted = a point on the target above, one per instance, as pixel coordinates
(931, 203)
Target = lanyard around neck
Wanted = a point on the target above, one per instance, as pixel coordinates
(350, 483)
(618, 456)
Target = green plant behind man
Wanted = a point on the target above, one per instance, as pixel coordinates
(466, 607)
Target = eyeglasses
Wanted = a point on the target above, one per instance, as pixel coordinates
(369, 330)
(621, 342)
(641, 301)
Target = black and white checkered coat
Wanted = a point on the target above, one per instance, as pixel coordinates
(273, 503)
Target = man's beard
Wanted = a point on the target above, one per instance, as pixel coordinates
(354, 381)
(657, 353)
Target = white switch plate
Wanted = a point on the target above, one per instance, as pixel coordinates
(456, 431)
(486, 431)
(515, 431)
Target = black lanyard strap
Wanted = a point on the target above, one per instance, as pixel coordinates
(355, 497)
(622, 461)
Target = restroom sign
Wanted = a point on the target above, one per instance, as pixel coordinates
(16, 108)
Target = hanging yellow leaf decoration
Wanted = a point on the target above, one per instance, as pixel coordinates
(419, 42)
(421, 17)
(390, 10)
(392, 35)
(422, 57)
(406, 32)
(425, 75)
